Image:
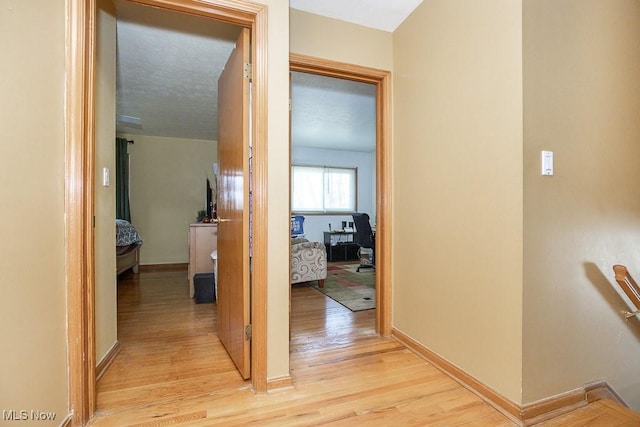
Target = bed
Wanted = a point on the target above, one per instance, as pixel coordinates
(128, 243)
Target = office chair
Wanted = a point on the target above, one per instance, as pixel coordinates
(364, 238)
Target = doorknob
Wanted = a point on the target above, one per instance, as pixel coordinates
(219, 220)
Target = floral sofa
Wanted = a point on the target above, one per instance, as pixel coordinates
(308, 261)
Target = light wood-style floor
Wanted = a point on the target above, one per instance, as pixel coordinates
(172, 370)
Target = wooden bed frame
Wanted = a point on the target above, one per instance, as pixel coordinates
(129, 259)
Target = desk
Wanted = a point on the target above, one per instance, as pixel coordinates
(340, 245)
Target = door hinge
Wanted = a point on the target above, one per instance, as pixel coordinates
(248, 71)
(247, 333)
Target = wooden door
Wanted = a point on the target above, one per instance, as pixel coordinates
(233, 297)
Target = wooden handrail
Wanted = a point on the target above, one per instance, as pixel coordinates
(629, 286)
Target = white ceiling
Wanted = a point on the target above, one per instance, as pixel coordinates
(168, 65)
(384, 15)
(332, 113)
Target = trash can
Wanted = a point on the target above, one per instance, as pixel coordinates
(203, 284)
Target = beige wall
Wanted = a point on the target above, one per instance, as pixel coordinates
(33, 363)
(278, 200)
(168, 178)
(105, 206)
(457, 228)
(582, 101)
(328, 38)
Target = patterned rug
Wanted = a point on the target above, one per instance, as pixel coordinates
(356, 291)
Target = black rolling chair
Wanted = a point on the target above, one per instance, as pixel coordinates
(364, 238)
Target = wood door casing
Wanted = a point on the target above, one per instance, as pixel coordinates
(233, 297)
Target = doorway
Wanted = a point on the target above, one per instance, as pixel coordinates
(80, 194)
(167, 68)
(333, 141)
(381, 80)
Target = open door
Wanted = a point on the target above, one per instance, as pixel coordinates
(233, 296)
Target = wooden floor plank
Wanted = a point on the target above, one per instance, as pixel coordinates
(173, 370)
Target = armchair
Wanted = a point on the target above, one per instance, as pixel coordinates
(308, 261)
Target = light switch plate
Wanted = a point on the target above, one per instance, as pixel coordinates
(547, 163)
(105, 177)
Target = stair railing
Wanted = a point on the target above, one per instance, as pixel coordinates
(630, 288)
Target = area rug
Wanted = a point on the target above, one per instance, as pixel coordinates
(356, 291)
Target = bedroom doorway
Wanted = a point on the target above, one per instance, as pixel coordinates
(183, 95)
(174, 139)
(380, 80)
(80, 198)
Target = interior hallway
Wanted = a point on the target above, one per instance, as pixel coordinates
(173, 370)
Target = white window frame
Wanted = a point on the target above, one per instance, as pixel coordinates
(324, 190)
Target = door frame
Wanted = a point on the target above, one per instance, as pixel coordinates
(80, 193)
(382, 80)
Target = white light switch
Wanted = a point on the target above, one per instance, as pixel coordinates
(105, 177)
(547, 163)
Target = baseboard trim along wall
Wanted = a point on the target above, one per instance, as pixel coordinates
(602, 390)
(523, 415)
(107, 360)
(279, 384)
(506, 407)
(152, 268)
(553, 406)
(546, 409)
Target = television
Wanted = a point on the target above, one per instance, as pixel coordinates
(209, 207)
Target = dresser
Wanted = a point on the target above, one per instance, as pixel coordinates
(203, 239)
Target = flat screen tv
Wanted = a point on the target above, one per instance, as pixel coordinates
(209, 199)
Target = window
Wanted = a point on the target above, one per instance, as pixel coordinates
(322, 189)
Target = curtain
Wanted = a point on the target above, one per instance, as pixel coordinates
(122, 180)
